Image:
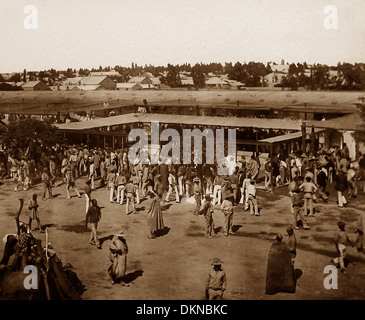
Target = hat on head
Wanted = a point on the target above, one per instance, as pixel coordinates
(196, 179)
(67, 266)
(217, 262)
(303, 155)
(289, 230)
(340, 224)
(120, 234)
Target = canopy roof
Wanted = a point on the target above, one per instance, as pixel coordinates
(258, 123)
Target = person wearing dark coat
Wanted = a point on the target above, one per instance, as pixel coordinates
(341, 186)
(164, 172)
(280, 271)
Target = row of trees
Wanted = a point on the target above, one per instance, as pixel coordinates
(344, 76)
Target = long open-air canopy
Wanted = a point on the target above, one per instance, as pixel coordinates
(233, 122)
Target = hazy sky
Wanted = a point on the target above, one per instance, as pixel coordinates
(89, 33)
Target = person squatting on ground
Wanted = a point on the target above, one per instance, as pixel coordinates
(341, 239)
(207, 210)
(227, 209)
(216, 281)
(93, 217)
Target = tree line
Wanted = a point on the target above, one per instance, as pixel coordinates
(343, 76)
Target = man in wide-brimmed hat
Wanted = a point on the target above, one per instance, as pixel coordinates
(216, 281)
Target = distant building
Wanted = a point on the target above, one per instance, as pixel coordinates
(74, 81)
(129, 86)
(148, 86)
(111, 73)
(280, 68)
(90, 87)
(35, 86)
(140, 80)
(187, 82)
(217, 83)
(233, 84)
(103, 81)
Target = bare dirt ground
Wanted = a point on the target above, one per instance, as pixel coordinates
(174, 266)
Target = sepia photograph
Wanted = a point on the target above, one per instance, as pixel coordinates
(165, 150)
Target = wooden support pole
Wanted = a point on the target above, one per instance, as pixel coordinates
(304, 133)
(313, 146)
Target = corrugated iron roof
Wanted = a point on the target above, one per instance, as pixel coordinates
(350, 122)
(259, 123)
(30, 84)
(94, 80)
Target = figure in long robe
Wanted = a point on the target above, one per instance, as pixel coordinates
(118, 256)
(280, 271)
(154, 216)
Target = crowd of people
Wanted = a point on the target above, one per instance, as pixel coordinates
(306, 177)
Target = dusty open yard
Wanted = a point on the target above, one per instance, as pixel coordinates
(174, 266)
